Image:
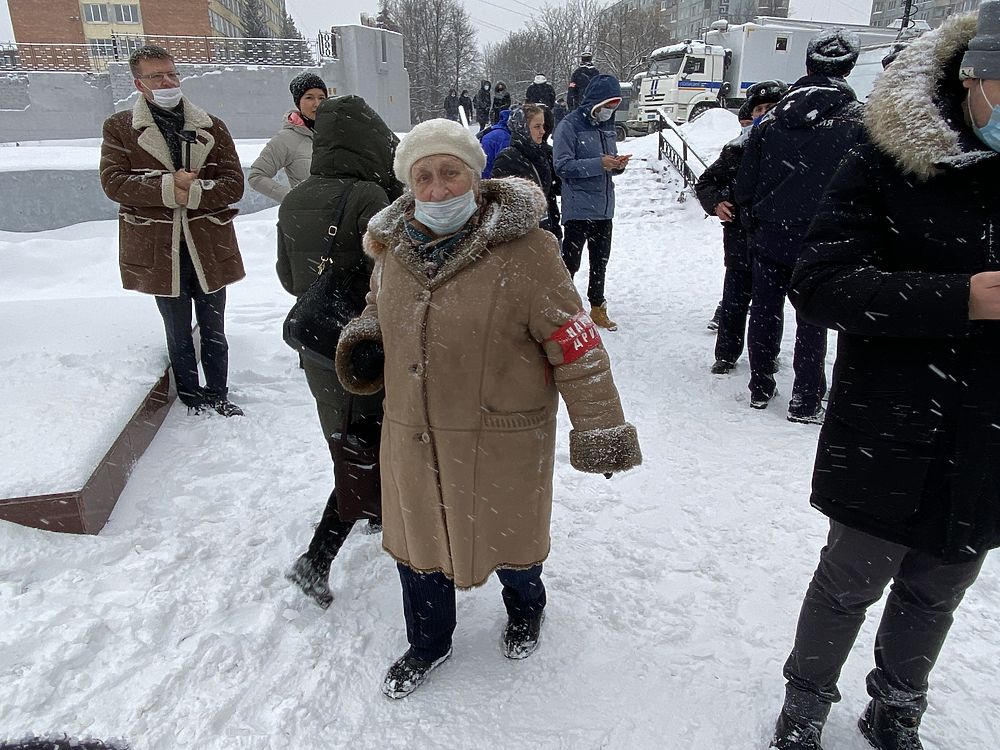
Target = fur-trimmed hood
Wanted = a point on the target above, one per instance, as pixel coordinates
(914, 114)
(509, 208)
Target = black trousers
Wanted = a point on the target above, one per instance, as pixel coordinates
(767, 314)
(733, 311)
(854, 569)
(330, 534)
(210, 312)
(596, 233)
(429, 605)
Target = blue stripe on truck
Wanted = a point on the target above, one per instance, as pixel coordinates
(699, 85)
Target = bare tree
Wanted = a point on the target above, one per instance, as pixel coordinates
(439, 47)
(550, 44)
(464, 52)
(625, 38)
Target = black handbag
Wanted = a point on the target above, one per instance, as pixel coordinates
(356, 470)
(313, 325)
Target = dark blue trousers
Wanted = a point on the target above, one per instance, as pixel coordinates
(429, 605)
(210, 312)
(767, 315)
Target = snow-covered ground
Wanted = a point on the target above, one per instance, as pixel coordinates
(84, 154)
(78, 355)
(673, 590)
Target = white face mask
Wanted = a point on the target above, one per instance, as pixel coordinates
(445, 217)
(167, 98)
(604, 114)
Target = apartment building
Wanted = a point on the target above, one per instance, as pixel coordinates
(666, 12)
(695, 16)
(688, 19)
(885, 12)
(94, 24)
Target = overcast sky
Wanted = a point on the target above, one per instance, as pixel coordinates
(494, 18)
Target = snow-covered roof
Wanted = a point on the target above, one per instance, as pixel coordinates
(695, 45)
(670, 49)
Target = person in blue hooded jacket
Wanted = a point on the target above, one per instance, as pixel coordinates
(497, 138)
(586, 158)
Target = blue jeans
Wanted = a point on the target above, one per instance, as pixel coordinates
(210, 311)
(429, 605)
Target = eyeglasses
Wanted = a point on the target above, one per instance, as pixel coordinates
(158, 77)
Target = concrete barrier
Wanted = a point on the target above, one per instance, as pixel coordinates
(37, 200)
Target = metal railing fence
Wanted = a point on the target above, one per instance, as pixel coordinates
(680, 155)
(95, 55)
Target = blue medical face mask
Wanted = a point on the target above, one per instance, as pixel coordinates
(445, 217)
(990, 132)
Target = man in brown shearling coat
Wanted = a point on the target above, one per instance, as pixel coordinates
(175, 171)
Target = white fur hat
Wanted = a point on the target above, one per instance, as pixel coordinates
(433, 137)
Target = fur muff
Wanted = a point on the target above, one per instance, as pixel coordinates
(358, 330)
(607, 451)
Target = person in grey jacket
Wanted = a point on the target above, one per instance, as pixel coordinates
(291, 148)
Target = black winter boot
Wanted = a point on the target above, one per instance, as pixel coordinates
(889, 728)
(407, 674)
(312, 576)
(790, 734)
(520, 637)
(721, 367)
(713, 324)
(225, 407)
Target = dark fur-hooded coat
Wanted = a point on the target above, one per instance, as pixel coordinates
(910, 450)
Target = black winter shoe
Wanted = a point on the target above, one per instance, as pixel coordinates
(760, 400)
(313, 578)
(520, 637)
(226, 408)
(374, 526)
(887, 728)
(792, 735)
(802, 416)
(721, 367)
(713, 324)
(407, 674)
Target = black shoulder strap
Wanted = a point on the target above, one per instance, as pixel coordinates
(338, 216)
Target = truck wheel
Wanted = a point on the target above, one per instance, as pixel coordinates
(699, 109)
(620, 132)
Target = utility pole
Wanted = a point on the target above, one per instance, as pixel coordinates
(906, 20)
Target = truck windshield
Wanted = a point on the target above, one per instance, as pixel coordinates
(668, 66)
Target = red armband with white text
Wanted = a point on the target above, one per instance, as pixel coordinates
(577, 337)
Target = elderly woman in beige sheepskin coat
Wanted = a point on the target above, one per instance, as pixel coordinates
(482, 329)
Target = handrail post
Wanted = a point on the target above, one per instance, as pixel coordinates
(685, 156)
